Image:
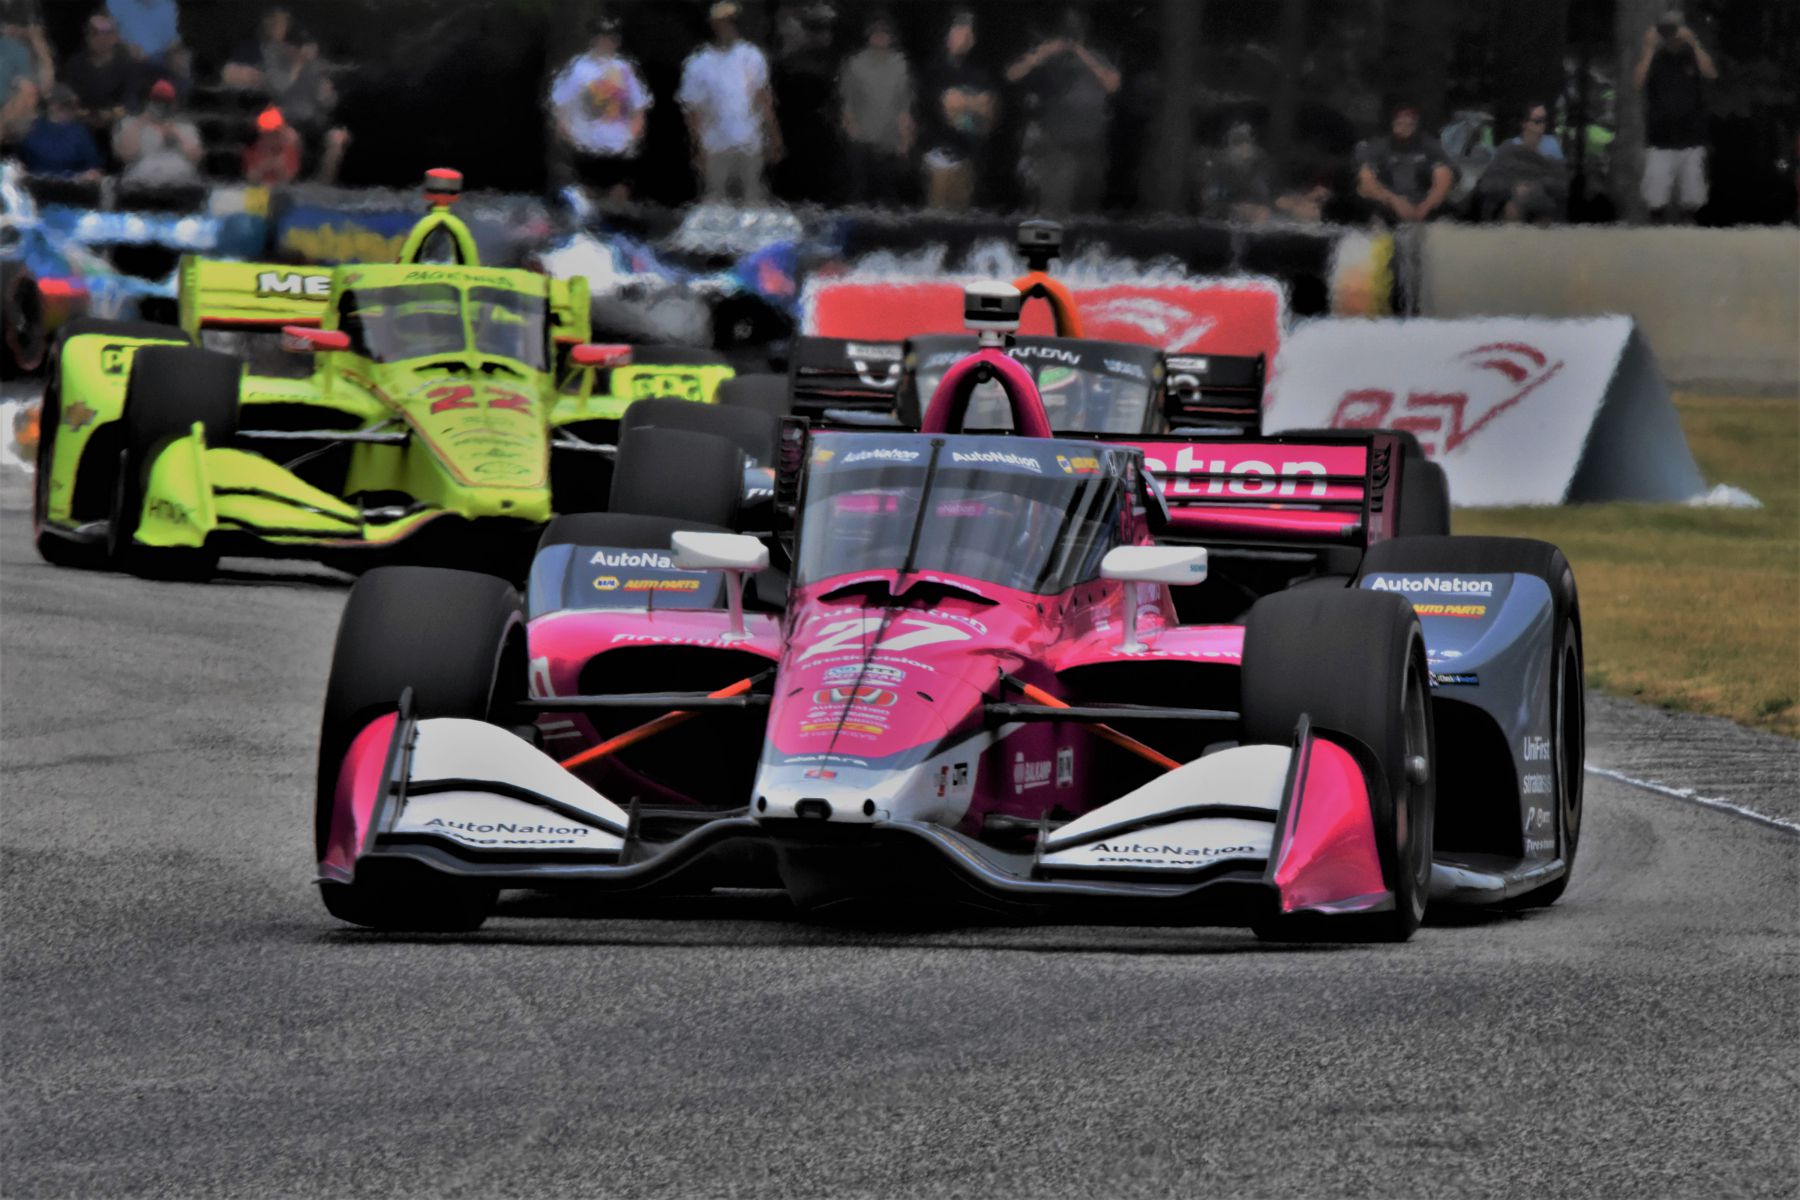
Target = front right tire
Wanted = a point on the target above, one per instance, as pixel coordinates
(457, 640)
(1354, 663)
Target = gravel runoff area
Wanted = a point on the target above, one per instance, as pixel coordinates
(183, 1019)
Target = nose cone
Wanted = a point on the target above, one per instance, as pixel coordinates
(490, 439)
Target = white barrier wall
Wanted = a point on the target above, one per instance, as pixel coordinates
(1518, 410)
(1720, 307)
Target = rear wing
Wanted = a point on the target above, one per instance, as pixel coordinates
(250, 295)
(1214, 391)
(847, 374)
(1322, 488)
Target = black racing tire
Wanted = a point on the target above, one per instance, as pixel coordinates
(171, 387)
(1524, 556)
(1424, 499)
(55, 548)
(23, 341)
(755, 433)
(772, 394)
(624, 531)
(1354, 663)
(680, 474)
(457, 640)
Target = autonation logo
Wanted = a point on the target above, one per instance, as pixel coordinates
(999, 458)
(1434, 585)
(632, 558)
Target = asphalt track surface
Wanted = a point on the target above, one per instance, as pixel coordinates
(181, 1017)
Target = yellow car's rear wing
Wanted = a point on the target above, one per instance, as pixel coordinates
(249, 295)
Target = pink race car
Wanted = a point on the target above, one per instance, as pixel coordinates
(958, 671)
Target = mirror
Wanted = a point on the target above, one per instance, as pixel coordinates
(696, 551)
(305, 339)
(1174, 565)
(599, 354)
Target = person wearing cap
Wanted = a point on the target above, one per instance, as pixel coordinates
(156, 148)
(960, 106)
(1672, 72)
(59, 142)
(724, 94)
(1405, 176)
(101, 74)
(876, 90)
(273, 157)
(599, 102)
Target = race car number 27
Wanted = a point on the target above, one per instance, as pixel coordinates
(843, 635)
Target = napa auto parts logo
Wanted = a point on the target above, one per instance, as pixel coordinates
(1496, 377)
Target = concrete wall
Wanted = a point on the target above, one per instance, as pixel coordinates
(1720, 307)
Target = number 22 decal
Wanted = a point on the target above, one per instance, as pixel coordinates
(841, 635)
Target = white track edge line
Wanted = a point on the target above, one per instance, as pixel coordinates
(1689, 794)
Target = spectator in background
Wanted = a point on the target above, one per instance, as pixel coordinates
(1066, 145)
(804, 83)
(24, 53)
(877, 91)
(155, 148)
(1670, 73)
(1407, 175)
(1526, 181)
(299, 83)
(1234, 184)
(18, 113)
(60, 142)
(599, 102)
(273, 157)
(960, 107)
(252, 60)
(730, 114)
(149, 28)
(101, 74)
(177, 67)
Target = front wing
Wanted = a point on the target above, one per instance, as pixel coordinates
(1240, 834)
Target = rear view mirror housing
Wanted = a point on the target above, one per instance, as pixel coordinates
(308, 339)
(599, 354)
(1177, 566)
(697, 551)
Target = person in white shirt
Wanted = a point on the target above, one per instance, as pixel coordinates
(730, 112)
(598, 101)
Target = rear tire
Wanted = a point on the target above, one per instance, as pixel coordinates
(753, 432)
(22, 337)
(675, 473)
(1524, 556)
(771, 394)
(1354, 663)
(457, 639)
(171, 388)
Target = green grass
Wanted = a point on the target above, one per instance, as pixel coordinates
(1695, 609)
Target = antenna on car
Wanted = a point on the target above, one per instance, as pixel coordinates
(991, 311)
(1039, 242)
(443, 187)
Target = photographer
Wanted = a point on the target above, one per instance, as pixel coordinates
(1670, 73)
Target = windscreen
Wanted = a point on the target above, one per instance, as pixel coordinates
(510, 325)
(1034, 516)
(389, 324)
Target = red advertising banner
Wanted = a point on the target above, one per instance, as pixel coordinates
(1241, 317)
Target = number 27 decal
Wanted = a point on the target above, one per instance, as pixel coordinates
(842, 635)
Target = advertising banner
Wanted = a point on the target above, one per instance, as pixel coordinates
(1241, 317)
(1518, 410)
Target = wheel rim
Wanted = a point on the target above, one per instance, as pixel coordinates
(1413, 826)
